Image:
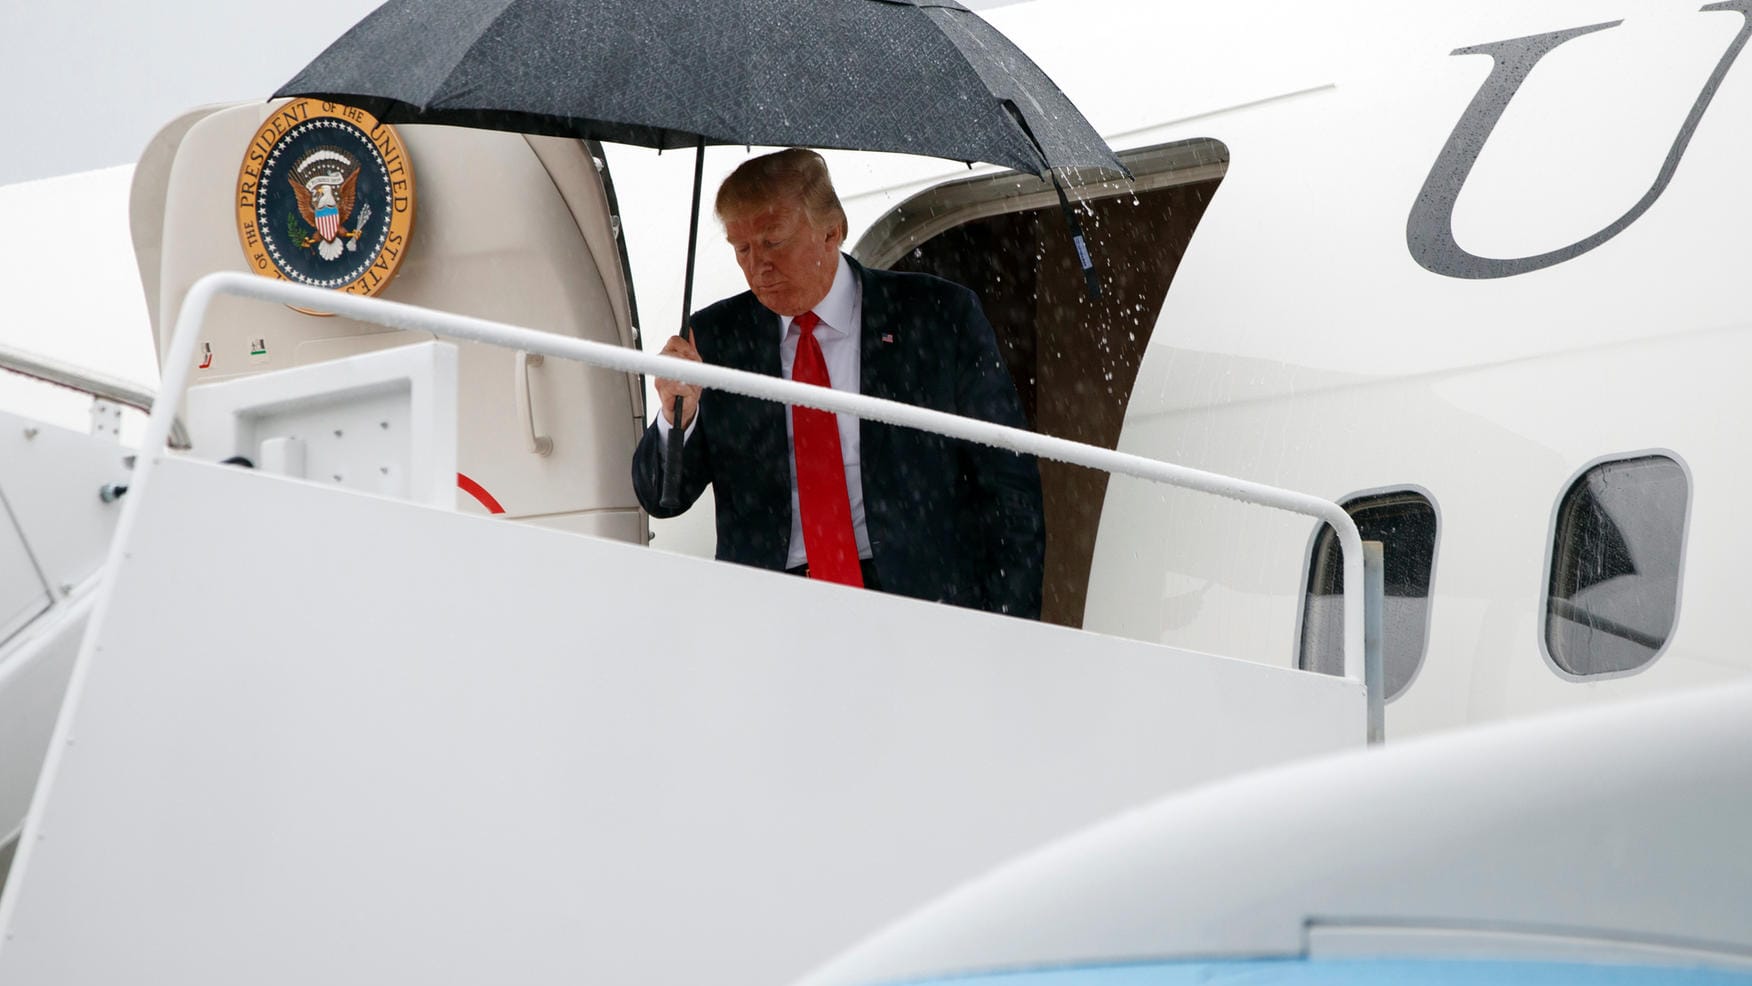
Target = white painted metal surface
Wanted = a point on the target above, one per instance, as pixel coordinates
(1607, 835)
(54, 534)
(513, 743)
(1302, 345)
(51, 477)
(532, 245)
(34, 669)
(380, 422)
(24, 594)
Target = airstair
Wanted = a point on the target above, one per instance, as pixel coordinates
(426, 745)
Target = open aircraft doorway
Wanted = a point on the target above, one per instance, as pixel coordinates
(1074, 358)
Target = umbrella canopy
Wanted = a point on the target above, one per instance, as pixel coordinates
(923, 77)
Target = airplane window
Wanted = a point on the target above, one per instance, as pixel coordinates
(1405, 522)
(1074, 358)
(1619, 539)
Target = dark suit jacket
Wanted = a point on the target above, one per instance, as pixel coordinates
(948, 520)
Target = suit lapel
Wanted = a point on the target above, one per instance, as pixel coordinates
(878, 338)
(878, 374)
(761, 336)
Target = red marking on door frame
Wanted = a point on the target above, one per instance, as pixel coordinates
(480, 493)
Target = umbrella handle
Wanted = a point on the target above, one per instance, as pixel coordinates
(1091, 280)
(671, 497)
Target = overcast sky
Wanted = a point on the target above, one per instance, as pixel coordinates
(90, 81)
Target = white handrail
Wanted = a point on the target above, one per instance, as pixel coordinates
(180, 357)
(98, 385)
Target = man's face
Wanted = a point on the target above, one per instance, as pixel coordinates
(789, 262)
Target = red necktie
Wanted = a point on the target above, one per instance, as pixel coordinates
(821, 471)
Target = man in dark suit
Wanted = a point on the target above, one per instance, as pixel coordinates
(851, 501)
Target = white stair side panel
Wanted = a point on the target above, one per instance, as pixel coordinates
(325, 737)
(33, 680)
(23, 593)
(51, 478)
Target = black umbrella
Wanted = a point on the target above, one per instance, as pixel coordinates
(923, 77)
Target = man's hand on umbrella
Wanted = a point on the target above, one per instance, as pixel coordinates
(669, 390)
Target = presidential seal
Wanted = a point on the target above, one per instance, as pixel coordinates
(325, 197)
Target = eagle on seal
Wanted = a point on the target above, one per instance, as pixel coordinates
(325, 200)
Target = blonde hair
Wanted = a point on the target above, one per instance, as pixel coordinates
(794, 174)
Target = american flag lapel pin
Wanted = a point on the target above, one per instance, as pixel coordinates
(887, 337)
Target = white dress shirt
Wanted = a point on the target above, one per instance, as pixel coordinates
(842, 315)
